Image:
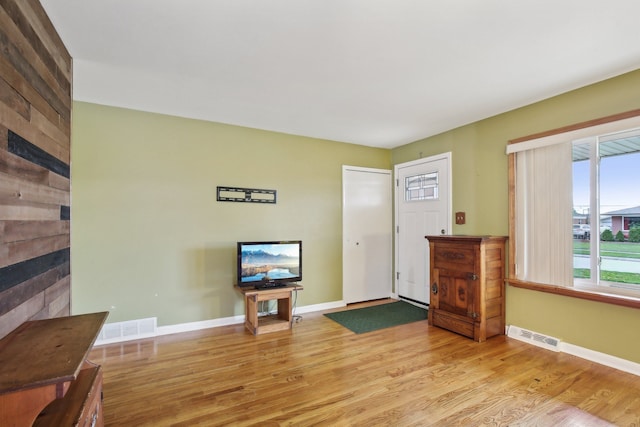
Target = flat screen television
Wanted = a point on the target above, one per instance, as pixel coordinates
(269, 264)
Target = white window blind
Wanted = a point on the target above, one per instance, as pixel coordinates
(544, 215)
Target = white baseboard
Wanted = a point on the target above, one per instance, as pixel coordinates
(119, 336)
(585, 353)
(196, 326)
(601, 358)
(225, 321)
(319, 307)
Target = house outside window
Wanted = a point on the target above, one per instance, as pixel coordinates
(624, 219)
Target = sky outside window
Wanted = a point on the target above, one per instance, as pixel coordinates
(619, 183)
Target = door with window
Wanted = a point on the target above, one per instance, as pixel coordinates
(423, 207)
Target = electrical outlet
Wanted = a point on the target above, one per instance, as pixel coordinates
(460, 218)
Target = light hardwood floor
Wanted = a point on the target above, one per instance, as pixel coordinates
(320, 373)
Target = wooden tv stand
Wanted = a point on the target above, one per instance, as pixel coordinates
(45, 378)
(276, 322)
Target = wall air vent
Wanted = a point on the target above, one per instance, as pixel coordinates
(129, 330)
(540, 340)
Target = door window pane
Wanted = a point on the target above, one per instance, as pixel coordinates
(421, 187)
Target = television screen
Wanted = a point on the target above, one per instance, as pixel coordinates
(269, 264)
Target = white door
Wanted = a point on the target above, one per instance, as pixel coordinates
(423, 207)
(367, 234)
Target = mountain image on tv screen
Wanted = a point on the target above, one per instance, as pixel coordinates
(270, 262)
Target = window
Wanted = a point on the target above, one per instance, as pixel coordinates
(421, 187)
(575, 199)
(604, 170)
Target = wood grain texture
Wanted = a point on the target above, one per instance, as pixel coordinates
(82, 402)
(14, 100)
(21, 50)
(467, 284)
(13, 165)
(16, 231)
(22, 86)
(21, 210)
(35, 146)
(63, 339)
(19, 189)
(321, 374)
(40, 284)
(31, 23)
(37, 155)
(46, 33)
(15, 274)
(40, 362)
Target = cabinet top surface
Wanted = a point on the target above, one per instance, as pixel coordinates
(44, 352)
(465, 238)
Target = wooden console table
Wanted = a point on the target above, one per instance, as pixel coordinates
(271, 323)
(45, 378)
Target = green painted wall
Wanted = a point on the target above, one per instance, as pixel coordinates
(479, 166)
(150, 239)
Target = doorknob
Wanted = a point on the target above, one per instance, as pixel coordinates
(442, 231)
(434, 288)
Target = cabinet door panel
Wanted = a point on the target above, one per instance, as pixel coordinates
(457, 292)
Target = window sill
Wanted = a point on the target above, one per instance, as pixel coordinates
(603, 297)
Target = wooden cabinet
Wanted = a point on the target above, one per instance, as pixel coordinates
(45, 378)
(272, 323)
(467, 285)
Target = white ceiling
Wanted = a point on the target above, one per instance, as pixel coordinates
(373, 72)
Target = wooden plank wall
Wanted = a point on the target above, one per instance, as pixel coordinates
(35, 123)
